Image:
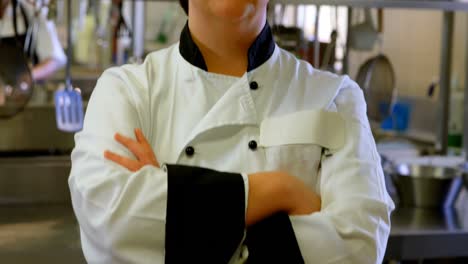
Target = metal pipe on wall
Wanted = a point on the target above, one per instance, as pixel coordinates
(465, 112)
(138, 26)
(317, 39)
(445, 75)
(346, 54)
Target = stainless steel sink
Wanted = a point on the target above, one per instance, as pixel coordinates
(35, 180)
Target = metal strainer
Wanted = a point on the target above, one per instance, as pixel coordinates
(377, 79)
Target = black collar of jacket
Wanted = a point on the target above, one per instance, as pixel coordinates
(259, 52)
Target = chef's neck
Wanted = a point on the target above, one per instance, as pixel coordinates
(225, 44)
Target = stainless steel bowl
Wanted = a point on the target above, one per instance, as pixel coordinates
(426, 186)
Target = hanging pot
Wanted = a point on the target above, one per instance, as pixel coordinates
(16, 82)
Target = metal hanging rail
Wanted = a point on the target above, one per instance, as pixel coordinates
(456, 5)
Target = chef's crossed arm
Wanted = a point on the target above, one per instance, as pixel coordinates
(150, 214)
(269, 192)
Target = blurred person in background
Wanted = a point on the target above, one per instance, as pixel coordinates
(44, 52)
(224, 148)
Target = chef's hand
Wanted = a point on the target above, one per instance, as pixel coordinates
(273, 192)
(139, 147)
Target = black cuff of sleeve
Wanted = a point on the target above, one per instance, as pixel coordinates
(205, 219)
(273, 241)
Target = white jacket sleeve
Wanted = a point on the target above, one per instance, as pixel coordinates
(354, 223)
(169, 215)
(121, 214)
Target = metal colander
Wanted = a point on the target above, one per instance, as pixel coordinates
(377, 79)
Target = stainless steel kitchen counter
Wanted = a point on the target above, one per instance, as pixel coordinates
(49, 234)
(428, 234)
(39, 234)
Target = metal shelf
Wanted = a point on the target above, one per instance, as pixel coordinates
(456, 5)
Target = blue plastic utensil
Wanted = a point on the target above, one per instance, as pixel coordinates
(68, 101)
(69, 109)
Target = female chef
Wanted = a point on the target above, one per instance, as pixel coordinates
(225, 148)
(16, 16)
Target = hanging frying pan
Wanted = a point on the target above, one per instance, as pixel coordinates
(16, 82)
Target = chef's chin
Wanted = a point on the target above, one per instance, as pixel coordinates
(237, 10)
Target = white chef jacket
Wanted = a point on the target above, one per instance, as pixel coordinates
(47, 44)
(212, 130)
